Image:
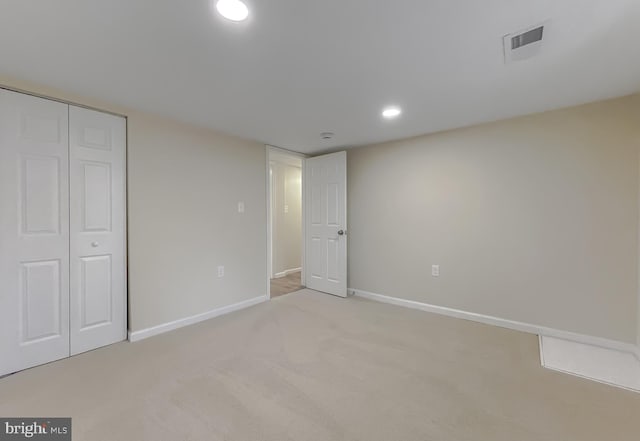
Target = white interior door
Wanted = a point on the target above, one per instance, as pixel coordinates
(97, 215)
(34, 231)
(326, 223)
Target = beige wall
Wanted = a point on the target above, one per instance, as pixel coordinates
(533, 219)
(287, 217)
(184, 184)
(184, 187)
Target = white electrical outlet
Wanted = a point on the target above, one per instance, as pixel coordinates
(240, 207)
(221, 271)
(435, 270)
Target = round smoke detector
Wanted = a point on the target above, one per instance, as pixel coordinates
(327, 135)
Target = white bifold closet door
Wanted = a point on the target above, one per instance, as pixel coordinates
(62, 230)
(97, 208)
(34, 231)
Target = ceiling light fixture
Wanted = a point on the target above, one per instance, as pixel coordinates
(233, 10)
(391, 112)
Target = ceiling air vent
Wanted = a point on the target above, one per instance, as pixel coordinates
(527, 38)
(524, 44)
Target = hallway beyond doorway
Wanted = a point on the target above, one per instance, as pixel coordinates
(286, 285)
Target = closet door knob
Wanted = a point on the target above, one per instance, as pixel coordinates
(94, 244)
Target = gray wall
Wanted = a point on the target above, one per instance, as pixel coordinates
(533, 219)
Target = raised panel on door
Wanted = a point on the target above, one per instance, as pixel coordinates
(317, 260)
(326, 223)
(96, 198)
(333, 260)
(333, 202)
(96, 295)
(40, 301)
(34, 231)
(39, 195)
(98, 267)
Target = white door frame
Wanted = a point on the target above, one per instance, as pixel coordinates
(273, 150)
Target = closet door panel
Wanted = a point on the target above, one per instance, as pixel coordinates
(98, 280)
(34, 231)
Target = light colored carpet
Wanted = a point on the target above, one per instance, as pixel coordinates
(286, 285)
(308, 366)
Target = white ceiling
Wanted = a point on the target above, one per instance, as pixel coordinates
(297, 68)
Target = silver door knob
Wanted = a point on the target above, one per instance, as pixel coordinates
(340, 233)
(94, 244)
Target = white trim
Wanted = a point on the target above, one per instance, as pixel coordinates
(269, 222)
(638, 268)
(180, 323)
(125, 245)
(303, 256)
(285, 273)
(268, 191)
(286, 152)
(59, 100)
(609, 366)
(599, 359)
(497, 321)
(540, 350)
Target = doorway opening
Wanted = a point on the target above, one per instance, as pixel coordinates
(285, 222)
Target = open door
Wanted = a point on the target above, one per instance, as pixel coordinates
(326, 223)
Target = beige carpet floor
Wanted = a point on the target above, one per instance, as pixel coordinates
(308, 366)
(286, 285)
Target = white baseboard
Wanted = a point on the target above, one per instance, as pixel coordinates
(609, 366)
(285, 273)
(170, 326)
(608, 361)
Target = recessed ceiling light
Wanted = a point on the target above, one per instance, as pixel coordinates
(233, 10)
(391, 112)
